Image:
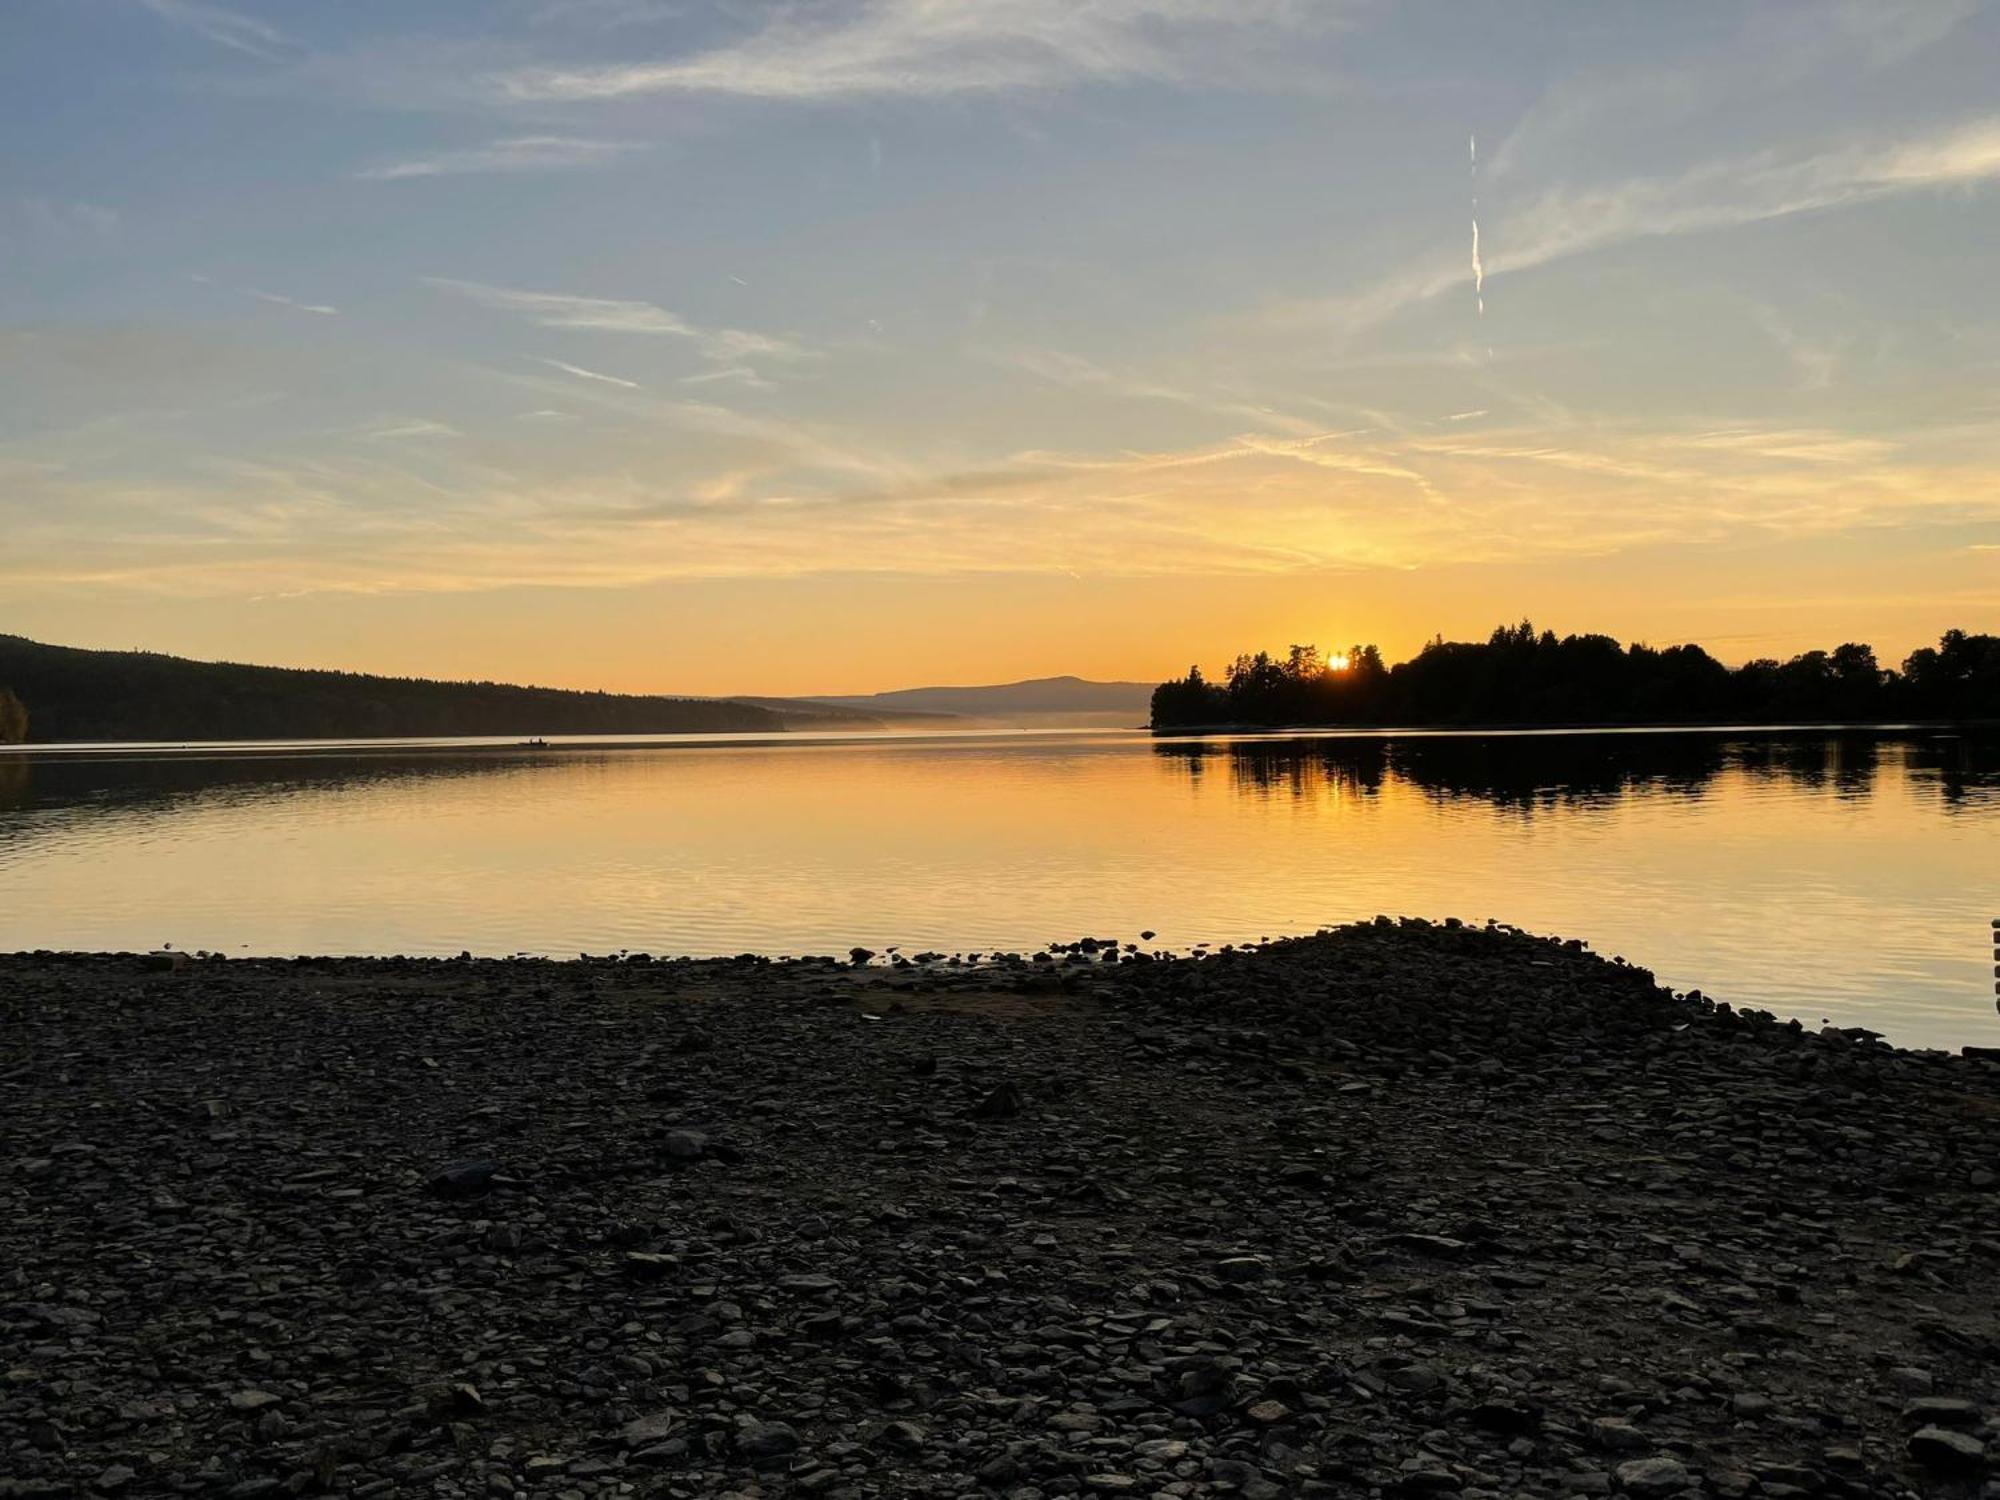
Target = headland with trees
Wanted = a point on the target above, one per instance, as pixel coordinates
(1521, 676)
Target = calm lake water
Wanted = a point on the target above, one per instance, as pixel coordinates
(1851, 877)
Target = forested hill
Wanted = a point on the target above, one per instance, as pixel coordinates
(133, 695)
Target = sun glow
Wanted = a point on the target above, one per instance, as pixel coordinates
(1337, 662)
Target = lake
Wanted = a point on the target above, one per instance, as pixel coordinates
(1849, 877)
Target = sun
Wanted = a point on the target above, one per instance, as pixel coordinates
(1337, 662)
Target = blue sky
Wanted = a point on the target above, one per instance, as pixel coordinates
(841, 345)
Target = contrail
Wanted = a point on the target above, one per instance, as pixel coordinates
(582, 374)
(1478, 266)
(1478, 272)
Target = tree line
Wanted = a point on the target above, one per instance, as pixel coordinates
(65, 694)
(1522, 676)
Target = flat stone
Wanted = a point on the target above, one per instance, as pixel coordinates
(643, 1432)
(1653, 1476)
(1941, 1411)
(463, 1179)
(809, 1285)
(1243, 1268)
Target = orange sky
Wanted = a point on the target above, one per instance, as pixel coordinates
(857, 633)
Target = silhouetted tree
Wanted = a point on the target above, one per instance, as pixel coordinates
(13, 718)
(1188, 701)
(1960, 679)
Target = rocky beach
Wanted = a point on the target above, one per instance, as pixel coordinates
(1401, 1209)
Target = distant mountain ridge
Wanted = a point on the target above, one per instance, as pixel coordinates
(79, 695)
(1036, 696)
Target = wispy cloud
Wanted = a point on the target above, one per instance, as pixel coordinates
(1745, 191)
(583, 374)
(606, 14)
(1769, 52)
(415, 427)
(1077, 373)
(1814, 361)
(1566, 222)
(778, 500)
(225, 28)
(939, 47)
(63, 221)
(611, 315)
(741, 375)
(311, 307)
(521, 153)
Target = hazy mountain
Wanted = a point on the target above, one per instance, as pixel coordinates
(1039, 700)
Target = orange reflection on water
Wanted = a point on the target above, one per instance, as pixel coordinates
(1843, 878)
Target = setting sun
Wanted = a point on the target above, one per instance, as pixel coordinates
(1337, 662)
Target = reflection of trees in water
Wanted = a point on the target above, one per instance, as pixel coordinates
(1296, 768)
(1847, 765)
(1963, 768)
(1523, 771)
(1530, 771)
(137, 780)
(69, 788)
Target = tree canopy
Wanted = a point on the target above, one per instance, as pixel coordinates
(1522, 676)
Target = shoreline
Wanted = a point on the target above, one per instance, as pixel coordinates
(500, 745)
(503, 744)
(1885, 728)
(1400, 1209)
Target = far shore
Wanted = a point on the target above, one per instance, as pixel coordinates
(1399, 1210)
(502, 745)
(1913, 726)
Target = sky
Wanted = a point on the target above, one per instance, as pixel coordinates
(663, 345)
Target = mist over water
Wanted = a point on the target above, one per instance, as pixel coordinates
(1843, 877)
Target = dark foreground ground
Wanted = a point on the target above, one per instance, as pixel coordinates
(1404, 1209)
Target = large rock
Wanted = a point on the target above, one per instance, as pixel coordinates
(685, 1145)
(463, 1179)
(1947, 1452)
(763, 1442)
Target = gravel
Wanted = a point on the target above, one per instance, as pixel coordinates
(1403, 1209)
